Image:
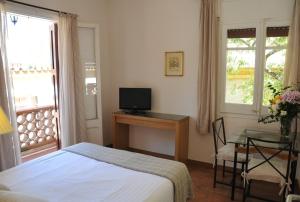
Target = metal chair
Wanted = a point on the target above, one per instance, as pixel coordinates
(270, 165)
(293, 198)
(223, 151)
(294, 161)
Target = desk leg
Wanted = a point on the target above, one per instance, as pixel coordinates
(120, 135)
(234, 172)
(182, 141)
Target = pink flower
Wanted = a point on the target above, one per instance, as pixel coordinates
(291, 97)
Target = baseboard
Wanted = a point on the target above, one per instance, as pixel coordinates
(189, 162)
(199, 163)
(165, 156)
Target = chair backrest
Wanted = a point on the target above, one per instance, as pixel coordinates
(219, 133)
(269, 150)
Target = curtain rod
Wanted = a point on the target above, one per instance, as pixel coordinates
(34, 6)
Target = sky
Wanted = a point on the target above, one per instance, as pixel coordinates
(29, 41)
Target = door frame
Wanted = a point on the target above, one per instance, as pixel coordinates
(96, 123)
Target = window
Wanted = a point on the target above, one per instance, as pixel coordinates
(275, 51)
(240, 66)
(254, 57)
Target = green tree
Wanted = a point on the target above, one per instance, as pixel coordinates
(273, 72)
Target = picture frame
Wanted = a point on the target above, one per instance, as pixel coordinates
(174, 63)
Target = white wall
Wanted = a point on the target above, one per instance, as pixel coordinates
(140, 33)
(92, 12)
(142, 30)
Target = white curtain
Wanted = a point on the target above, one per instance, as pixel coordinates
(10, 154)
(71, 83)
(208, 63)
(292, 63)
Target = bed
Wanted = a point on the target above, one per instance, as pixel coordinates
(68, 176)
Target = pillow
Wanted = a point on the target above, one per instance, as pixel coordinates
(10, 196)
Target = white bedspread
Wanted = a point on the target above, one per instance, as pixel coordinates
(64, 177)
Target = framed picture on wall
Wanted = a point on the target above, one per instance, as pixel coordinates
(174, 63)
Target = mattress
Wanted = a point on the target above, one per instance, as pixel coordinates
(64, 176)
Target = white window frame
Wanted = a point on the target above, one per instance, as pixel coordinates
(231, 107)
(244, 109)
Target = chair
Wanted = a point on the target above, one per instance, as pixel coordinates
(294, 161)
(225, 152)
(269, 165)
(293, 198)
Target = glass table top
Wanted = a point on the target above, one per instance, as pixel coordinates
(268, 136)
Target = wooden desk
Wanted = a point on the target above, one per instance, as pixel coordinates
(177, 123)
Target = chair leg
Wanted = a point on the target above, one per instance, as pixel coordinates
(245, 192)
(224, 164)
(215, 172)
(249, 186)
(283, 195)
(243, 166)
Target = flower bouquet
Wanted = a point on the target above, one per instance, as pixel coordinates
(284, 106)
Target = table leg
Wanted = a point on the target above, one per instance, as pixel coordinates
(182, 141)
(120, 135)
(234, 172)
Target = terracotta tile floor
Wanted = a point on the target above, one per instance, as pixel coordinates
(202, 177)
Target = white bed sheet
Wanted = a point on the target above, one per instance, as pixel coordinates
(64, 176)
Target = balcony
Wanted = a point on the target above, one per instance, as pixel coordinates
(38, 131)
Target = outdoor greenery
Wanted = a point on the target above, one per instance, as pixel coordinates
(239, 65)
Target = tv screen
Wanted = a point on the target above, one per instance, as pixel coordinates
(134, 99)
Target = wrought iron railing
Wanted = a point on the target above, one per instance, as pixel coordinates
(37, 127)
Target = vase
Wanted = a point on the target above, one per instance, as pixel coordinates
(285, 126)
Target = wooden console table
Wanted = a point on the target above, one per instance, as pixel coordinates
(177, 123)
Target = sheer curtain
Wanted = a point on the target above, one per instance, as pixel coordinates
(208, 63)
(10, 154)
(292, 64)
(71, 83)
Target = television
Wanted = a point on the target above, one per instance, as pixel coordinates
(135, 99)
